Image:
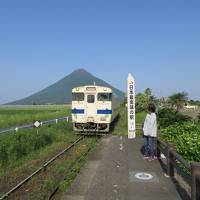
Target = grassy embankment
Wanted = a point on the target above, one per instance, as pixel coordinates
(121, 126)
(19, 115)
(17, 148)
(24, 151)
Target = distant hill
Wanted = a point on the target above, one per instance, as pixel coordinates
(60, 92)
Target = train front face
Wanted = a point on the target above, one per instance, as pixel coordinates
(91, 108)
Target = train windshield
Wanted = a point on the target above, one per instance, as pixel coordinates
(78, 96)
(104, 96)
(90, 98)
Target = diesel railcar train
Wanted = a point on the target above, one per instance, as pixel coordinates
(91, 108)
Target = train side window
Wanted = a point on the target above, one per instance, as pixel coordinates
(90, 98)
(104, 96)
(78, 96)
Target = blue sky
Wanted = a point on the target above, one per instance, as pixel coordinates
(158, 41)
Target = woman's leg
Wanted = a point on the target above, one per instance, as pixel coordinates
(146, 145)
(152, 146)
(155, 147)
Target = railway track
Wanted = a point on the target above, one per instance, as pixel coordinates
(22, 185)
(24, 190)
(57, 188)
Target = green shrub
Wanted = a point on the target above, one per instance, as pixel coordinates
(185, 138)
(168, 116)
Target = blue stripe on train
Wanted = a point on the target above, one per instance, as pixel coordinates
(104, 111)
(77, 111)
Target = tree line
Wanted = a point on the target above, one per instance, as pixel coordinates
(176, 100)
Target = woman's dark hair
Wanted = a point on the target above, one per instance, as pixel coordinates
(151, 108)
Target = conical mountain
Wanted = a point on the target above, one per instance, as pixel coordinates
(60, 92)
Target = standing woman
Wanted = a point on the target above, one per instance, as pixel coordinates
(150, 133)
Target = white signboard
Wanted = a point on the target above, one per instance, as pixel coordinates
(131, 106)
(36, 124)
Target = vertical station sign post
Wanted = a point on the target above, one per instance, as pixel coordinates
(131, 106)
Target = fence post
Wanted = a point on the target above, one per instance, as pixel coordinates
(195, 170)
(170, 167)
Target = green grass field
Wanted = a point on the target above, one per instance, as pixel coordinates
(121, 127)
(18, 115)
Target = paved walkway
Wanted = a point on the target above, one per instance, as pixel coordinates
(110, 173)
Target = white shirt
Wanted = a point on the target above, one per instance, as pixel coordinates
(150, 125)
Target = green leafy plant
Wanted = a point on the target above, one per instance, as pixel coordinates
(185, 138)
(169, 116)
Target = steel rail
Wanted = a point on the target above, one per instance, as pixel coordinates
(69, 169)
(39, 169)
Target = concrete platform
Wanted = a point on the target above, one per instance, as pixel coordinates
(111, 174)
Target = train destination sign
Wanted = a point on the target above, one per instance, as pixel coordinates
(131, 106)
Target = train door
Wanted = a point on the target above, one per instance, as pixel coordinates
(91, 107)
